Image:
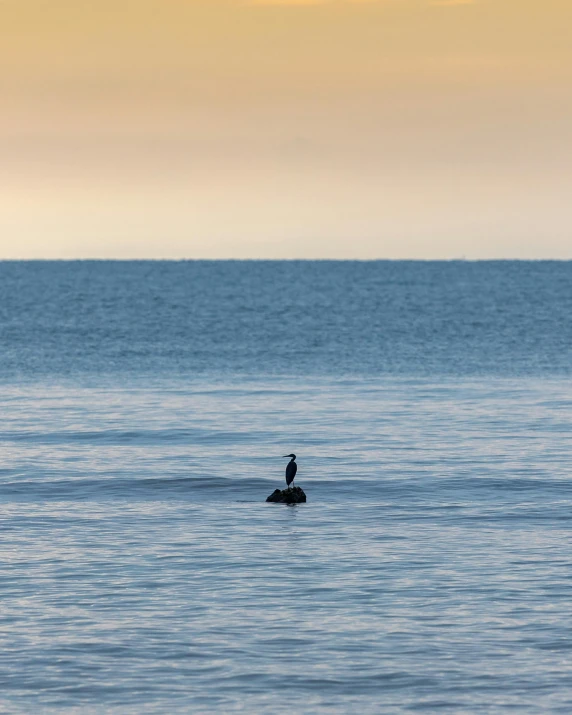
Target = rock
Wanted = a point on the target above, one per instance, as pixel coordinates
(295, 495)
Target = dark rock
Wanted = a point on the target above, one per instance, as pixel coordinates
(295, 495)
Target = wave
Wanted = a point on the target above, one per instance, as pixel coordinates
(125, 437)
(436, 494)
(131, 488)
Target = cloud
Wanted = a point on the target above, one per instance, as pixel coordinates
(287, 2)
(301, 3)
(307, 3)
(451, 3)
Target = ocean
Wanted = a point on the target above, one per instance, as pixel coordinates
(144, 411)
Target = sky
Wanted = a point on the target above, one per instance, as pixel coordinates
(285, 129)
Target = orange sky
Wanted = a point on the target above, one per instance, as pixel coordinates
(223, 128)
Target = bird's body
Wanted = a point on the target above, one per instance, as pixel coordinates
(291, 469)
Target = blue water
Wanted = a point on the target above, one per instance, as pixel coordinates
(144, 409)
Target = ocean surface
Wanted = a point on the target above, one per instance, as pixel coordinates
(144, 411)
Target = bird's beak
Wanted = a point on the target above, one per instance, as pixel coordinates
(285, 455)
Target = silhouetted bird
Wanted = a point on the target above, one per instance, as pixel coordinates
(291, 469)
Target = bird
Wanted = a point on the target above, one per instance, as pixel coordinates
(291, 469)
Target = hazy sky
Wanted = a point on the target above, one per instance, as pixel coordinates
(286, 128)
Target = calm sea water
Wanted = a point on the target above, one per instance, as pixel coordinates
(144, 409)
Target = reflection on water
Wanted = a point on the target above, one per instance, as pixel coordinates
(142, 569)
(144, 412)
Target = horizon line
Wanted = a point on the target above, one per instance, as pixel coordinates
(286, 260)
